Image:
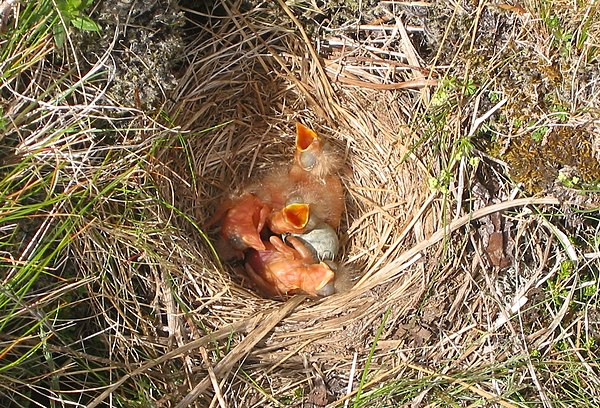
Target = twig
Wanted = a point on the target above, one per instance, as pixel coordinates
(213, 377)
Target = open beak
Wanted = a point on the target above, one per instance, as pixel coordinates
(305, 137)
(308, 146)
(297, 214)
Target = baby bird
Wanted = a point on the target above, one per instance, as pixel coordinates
(281, 270)
(242, 220)
(313, 176)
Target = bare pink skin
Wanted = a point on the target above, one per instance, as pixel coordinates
(242, 219)
(281, 270)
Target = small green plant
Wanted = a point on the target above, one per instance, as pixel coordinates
(517, 123)
(589, 291)
(568, 181)
(450, 88)
(441, 183)
(293, 398)
(560, 112)
(495, 96)
(363, 377)
(465, 148)
(443, 92)
(71, 12)
(566, 270)
(557, 30)
(539, 133)
(469, 87)
(590, 344)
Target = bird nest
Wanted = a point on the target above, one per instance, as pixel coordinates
(452, 289)
(248, 80)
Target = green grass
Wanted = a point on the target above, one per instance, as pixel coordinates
(66, 194)
(88, 235)
(358, 399)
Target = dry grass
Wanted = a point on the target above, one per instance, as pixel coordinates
(458, 287)
(249, 78)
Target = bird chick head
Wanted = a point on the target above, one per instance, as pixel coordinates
(308, 147)
(313, 154)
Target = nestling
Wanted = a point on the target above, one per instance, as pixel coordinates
(242, 220)
(313, 173)
(311, 180)
(281, 270)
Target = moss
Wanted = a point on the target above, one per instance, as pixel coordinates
(540, 68)
(538, 164)
(339, 13)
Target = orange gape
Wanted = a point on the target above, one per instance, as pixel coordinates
(293, 218)
(242, 219)
(280, 270)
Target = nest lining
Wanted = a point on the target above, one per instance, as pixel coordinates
(239, 102)
(237, 105)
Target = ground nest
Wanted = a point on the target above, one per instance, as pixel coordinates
(457, 287)
(469, 137)
(247, 84)
(248, 77)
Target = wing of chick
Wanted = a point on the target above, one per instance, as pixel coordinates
(269, 269)
(317, 278)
